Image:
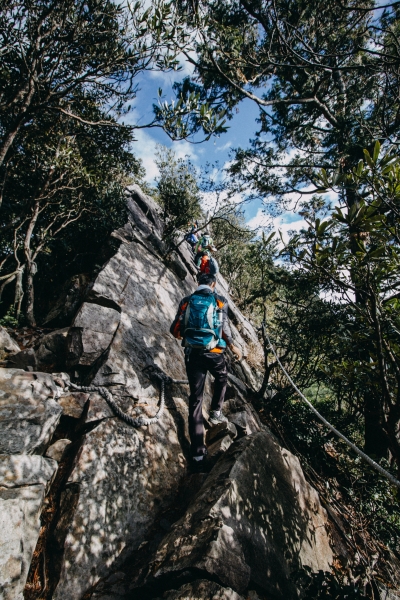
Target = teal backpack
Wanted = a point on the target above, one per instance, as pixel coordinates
(201, 323)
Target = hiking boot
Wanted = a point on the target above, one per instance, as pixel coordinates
(199, 464)
(216, 417)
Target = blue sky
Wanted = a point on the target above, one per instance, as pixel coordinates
(242, 128)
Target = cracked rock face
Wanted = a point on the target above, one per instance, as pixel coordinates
(253, 528)
(56, 450)
(24, 481)
(29, 414)
(91, 333)
(255, 520)
(121, 493)
(124, 477)
(8, 346)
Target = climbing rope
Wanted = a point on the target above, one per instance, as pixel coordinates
(357, 450)
(138, 421)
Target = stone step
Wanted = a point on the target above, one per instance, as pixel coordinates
(218, 431)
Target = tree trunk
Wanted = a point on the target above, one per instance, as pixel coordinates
(30, 267)
(18, 122)
(30, 294)
(393, 429)
(6, 282)
(19, 293)
(375, 438)
(264, 385)
(267, 366)
(376, 441)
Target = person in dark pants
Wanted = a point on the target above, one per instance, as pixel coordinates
(198, 362)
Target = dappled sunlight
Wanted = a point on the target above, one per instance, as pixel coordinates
(24, 481)
(245, 514)
(29, 412)
(124, 477)
(255, 505)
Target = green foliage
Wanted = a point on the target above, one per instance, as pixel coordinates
(327, 586)
(65, 184)
(354, 255)
(63, 58)
(188, 113)
(346, 478)
(323, 91)
(248, 265)
(177, 192)
(340, 351)
(67, 71)
(67, 75)
(66, 80)
(231, 238)
(9, 320)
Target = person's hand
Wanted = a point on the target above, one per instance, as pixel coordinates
(236, 352)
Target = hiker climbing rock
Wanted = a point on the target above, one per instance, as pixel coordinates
(207, 264)
(205, 243)
(192, 237)
(202, 324)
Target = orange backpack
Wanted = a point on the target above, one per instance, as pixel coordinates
(205, 264)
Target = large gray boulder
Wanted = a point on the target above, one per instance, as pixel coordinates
(52, 350)
(243, 416)
(8, 346)
(24, 481)
(75, 404)
(148, 294)
(122, 474)
(26, 360)
(255, 521)
(121, 479)
(29, 411)
(66, 302)
(129, 521)
(148, 208)
(91, 333)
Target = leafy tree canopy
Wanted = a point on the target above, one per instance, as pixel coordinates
(324, 75)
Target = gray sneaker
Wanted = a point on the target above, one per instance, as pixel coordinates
(216, 417)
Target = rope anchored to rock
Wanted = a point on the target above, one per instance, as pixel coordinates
(357, 450)
(138, 421)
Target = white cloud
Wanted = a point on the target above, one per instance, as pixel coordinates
(261, 220)
(212, 201)
(285, 227)
(223, 147)
(144, 148)
(145, 145)
(284, 223)
(184, 148)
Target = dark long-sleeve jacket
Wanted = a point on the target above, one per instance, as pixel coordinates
(221, 302)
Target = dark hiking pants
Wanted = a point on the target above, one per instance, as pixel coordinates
(197, 365)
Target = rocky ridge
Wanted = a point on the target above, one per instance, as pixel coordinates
(93, 508)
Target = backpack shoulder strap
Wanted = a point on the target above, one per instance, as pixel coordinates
(211, 311)
(187, 313)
